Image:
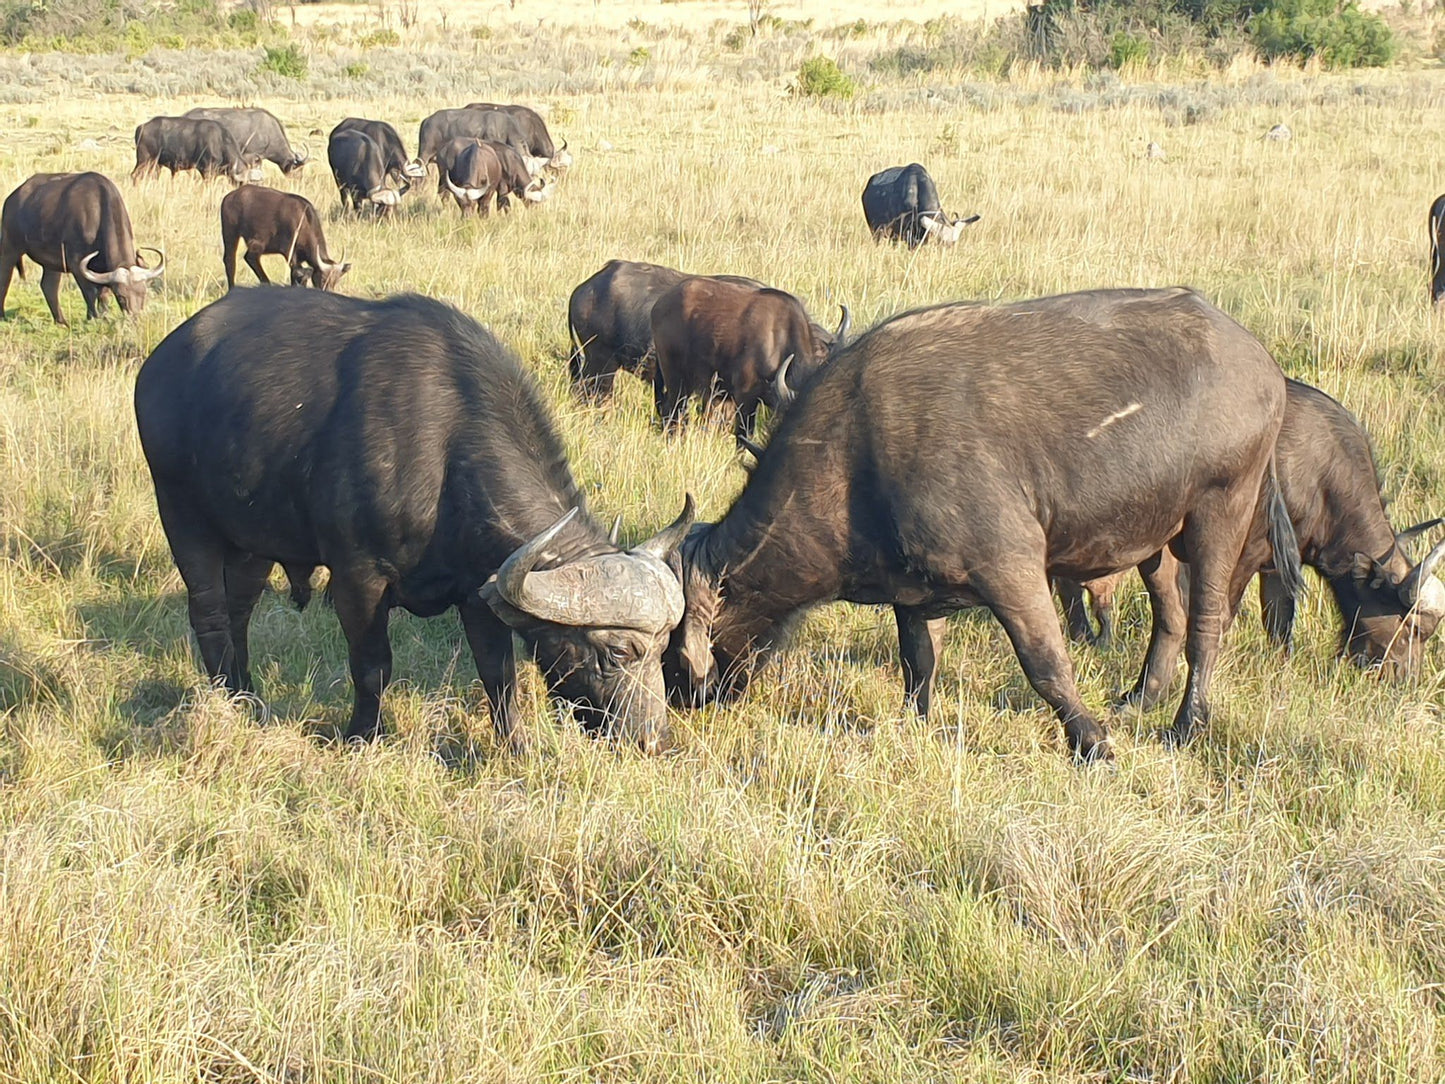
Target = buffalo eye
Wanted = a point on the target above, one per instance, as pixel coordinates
(616, 656)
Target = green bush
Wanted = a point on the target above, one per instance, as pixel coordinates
(133, 26)
(820, 77)
(379, 38)
(356, 70)
(1126, 48)
(286, 60)
(1341, 36)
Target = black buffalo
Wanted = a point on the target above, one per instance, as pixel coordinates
(1389, 605)
(534, 130)
(359, 167)
(961, 455)
(609, 317)
(1437, 267)
(257, 131)
(445, 125)
(902, 203)
(74, 222)
(399, 444)
(182, 143)
(393, 151)
(473, 175)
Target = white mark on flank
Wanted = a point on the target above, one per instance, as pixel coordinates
(1132, 408)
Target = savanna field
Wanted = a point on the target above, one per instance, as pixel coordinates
(816, 885)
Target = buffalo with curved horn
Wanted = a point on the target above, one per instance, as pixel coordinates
(75, 222)
(401, 445)
(709, 332)
(1389, 606)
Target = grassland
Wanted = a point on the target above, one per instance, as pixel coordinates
(817, 886)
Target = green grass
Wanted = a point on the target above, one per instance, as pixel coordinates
(817, 886)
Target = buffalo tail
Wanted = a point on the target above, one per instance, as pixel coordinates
(1282, 538)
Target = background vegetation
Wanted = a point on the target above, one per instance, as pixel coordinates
(817, 886)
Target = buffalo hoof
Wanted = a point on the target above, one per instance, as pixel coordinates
(1090, 744)
(365, 732)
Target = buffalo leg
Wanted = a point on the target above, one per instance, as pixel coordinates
(1076, 610)
(1278, 608)
(1101, 592)
(1166, 637)
(200, 557)
(8, 262)
(361, 603)
(253, 261)
(1214, 537)
(245, 580)
(919, 643)
(491, 643)
(50, 287)
(1020, 599)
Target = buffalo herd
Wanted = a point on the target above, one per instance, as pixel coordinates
(955, 456)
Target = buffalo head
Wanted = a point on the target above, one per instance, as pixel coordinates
(598, 625)
(942, 227)
(127, 283)
(326, 276)
(1396, 608)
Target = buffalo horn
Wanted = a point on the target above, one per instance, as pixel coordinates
(145, 274)
(1421, 589)
(781, 391)
(563, 147)
(388, 197)
(104, 278)
(844, 325)
(305, 155)
(613, 534)
(612, 590)
(664, 543)
(753, 449)
(1409, 534)
(470, 194)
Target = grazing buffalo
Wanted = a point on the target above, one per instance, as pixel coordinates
(398, 165)
(902, 203)
(359, 168)
(74, 222)
(741, 339)
(443, 126)
(181, 143)
(1389, 605)
(399, 444)
(257, 131)
(534, 130)
(273, 223)
(961, 455)
(1437, 267)
(530, 186)
(473, 176)
(610, 320)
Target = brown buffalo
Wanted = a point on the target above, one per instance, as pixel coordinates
(742, 340)
(960, 455)
(1389, 605)
(273, 223)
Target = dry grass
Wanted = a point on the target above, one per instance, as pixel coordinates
(817, 887)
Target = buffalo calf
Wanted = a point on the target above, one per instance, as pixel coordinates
(273, 223)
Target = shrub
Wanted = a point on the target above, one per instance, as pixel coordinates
(356, 70)
(1341, 36)
(820, 77)
(639, 56)
(1126, 48)
(380, 38)
(481, 33)
(286, 60)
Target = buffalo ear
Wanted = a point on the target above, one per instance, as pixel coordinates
(1368, 572)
